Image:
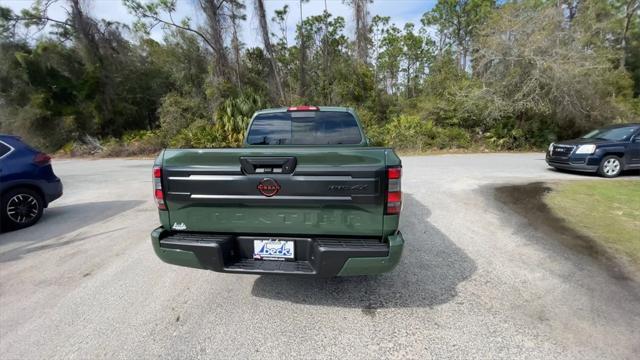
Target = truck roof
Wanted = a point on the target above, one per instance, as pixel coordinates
(322, 108)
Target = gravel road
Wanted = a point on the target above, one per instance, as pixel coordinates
(476, 281)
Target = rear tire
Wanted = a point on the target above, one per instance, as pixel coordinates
(20, 208)
(610, 166)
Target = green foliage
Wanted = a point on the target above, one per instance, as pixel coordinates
(227, 130)
(473, 74)
(543, 70)
(407, 132)
(457, 23)
(142, 142)
(505, 136)
(178, 112)
(232, 118)
(42, 91)
(53, 94)
(199, 134)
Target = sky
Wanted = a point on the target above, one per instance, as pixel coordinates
(400, 11)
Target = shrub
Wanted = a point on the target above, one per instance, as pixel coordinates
(410, 133)
(505, 136)
(453, 138)
(372, 128)
(200, 134)
(137, 143)
(177, 112)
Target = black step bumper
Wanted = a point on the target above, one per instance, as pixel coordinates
(321, 256)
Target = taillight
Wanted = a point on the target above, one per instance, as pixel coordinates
(42, 159)
(157, 188)
(394, 191)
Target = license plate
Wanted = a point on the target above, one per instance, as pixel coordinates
(271, 249)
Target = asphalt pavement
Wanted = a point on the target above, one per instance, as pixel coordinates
(475, 281)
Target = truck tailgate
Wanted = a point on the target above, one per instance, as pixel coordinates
(280, 190)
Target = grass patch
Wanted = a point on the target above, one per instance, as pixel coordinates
(606, 211)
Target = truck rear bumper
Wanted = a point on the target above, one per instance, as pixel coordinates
(322, 257)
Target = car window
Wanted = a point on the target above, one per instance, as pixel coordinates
(4, 149)
(614, 134)
(304, 128)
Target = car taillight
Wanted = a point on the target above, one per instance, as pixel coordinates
(157, 188)
(42, 159)
(394, 191)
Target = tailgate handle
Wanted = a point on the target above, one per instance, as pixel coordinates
(268, 165)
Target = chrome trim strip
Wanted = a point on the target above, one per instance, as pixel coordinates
(258, 197)
(11, 149)
(178, 193)
(207, 177)
(327, 178)
(240, 177)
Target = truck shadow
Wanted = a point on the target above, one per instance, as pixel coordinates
(58, 221)
(429, 272)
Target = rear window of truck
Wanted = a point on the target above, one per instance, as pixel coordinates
(304, 128)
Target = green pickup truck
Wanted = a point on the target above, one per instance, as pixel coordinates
(306, 195)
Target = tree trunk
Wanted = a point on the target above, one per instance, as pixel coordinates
(215, 26)
(303, 58)
(362, 38)
(235, 42)
(85, 34)
(326, 93)
(465, 53)
(264, 29)
(630, 9)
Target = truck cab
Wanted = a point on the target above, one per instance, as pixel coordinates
(305, 195)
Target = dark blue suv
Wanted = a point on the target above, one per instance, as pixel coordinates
(27, 183)
(607, 151)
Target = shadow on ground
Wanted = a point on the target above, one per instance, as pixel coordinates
(61, 220)
(528, 202)
(429, 272)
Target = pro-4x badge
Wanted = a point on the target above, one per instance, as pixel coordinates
(179, 226)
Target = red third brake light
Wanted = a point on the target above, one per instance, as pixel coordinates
(394, 191)
(303, 108)
(42, 159)
(157, 188)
